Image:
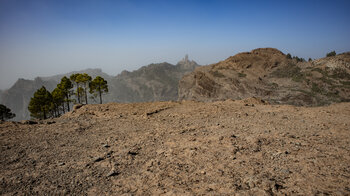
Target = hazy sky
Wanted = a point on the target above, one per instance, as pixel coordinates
(46, 37)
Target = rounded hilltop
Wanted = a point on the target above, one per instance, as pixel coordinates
(260, 58)
(270, 74)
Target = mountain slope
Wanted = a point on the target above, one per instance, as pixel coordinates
(269, 74)
(155, 82)
(18, 96)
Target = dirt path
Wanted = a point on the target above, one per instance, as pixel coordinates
(185, 148)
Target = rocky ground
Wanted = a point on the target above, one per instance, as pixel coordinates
(180, 148)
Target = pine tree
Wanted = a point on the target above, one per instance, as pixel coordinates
(85, 80)
(80, 93)
(5, 113)
(74, 78)
(65, 86)
(57, 101)
(99, 85)
(40, 104)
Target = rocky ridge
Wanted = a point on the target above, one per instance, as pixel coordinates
(154, 82)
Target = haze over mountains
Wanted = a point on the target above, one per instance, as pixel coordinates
(154, 82)
(207, 142)
(266, 73)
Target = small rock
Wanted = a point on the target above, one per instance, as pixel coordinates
(77, 106)
(286, 171)
(133, 153)
(29, 122)
(50, 122)
(106, 145)
(61, 164)
(112, 173)
(98, 159)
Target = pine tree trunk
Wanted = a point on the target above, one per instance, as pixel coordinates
(58, 111)
(86, 101)
(67, 103)
(100, 97)
(79, 101)
(78, 94)
(44, 114)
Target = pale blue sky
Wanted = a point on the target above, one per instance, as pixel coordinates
(47, 37)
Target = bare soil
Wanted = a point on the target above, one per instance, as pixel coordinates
(180, 148)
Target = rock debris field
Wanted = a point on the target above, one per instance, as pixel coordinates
(245, 147)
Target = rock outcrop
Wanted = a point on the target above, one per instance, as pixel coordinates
(268, 73)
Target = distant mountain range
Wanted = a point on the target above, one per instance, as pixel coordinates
(154, 82)
(266, 73)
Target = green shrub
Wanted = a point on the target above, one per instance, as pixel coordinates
(333, 53)
(218, 74)
(290, 71)
(315, 88)
(242, 75)
(5, 113)
(340, 73)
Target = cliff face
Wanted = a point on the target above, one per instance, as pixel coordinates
(269, 74)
